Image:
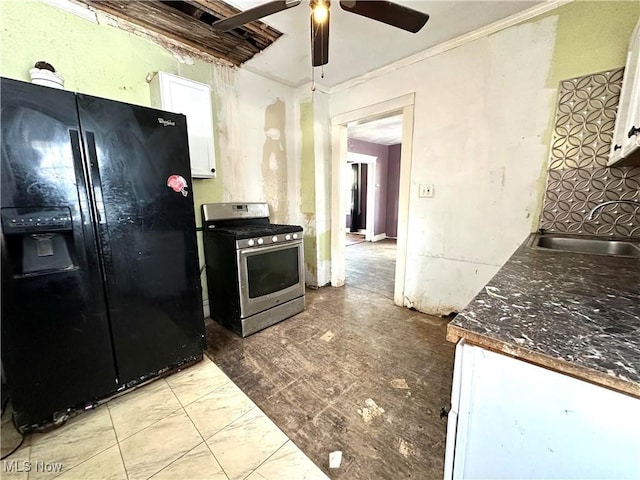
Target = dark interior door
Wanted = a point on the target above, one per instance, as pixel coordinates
(358, 213)
(142, 189)
(56, 346)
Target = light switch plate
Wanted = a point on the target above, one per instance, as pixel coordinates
(426, 191)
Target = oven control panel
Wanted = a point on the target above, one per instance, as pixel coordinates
(268, 240)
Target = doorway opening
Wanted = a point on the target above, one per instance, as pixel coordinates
(371, 185)
(356, 213)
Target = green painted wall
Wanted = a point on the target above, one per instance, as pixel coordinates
(95, 59)
(324, 246)
(591, 36)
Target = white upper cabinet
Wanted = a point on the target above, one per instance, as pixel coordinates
(625, 146)
(193, 99)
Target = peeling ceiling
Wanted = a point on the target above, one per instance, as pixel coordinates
(189, 22)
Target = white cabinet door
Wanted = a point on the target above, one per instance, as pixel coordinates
(193, 99)
(631, 140)
(515, 420)
(625, 146)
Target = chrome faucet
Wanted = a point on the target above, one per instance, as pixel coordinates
(600, 205)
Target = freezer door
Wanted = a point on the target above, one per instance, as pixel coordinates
(56, 346)
(139, 162)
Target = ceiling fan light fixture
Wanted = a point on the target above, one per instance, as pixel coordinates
(320, 9)
(382, 11)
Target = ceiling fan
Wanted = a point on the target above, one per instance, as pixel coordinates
(386, 12)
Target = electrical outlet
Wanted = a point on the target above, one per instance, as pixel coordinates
(426, 191)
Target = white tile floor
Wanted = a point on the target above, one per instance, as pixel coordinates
(195, 424)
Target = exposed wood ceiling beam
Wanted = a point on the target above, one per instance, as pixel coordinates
(188, 22)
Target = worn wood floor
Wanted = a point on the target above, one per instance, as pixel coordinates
(353, 238)
(353, 372)
(371, 266)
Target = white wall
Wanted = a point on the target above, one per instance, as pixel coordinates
(322, 154)
(480, 113)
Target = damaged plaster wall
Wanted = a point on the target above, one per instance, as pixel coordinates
(482, 113)
(322, 163)
(311, 199)
(307, 192)
(274, 158)
(254, 118)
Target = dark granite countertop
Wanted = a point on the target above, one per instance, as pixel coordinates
(574, 313)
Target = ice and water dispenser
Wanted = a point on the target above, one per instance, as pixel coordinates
(38, 240)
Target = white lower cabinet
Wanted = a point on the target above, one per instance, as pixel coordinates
(510, 419)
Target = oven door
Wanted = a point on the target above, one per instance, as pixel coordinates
(270, 276)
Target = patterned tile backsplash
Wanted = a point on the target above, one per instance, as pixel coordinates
(578, 178)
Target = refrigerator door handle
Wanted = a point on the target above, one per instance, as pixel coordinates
(76, 150)
(95, 178)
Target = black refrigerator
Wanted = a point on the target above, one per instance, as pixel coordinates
(100, 276)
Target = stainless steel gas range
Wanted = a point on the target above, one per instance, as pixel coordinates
(255, 269)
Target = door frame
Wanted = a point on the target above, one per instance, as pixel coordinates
(339, 125)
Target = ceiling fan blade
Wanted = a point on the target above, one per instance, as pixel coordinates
(319, 42)
(253, 14)
(387, 12)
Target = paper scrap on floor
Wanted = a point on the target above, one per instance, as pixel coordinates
(335, 459)
(327, 336)
(371, 410)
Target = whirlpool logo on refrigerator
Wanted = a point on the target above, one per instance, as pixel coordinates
(166, 123)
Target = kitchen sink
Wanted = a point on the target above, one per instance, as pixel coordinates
(593, 245)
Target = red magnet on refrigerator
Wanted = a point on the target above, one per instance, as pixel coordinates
(178, 184)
